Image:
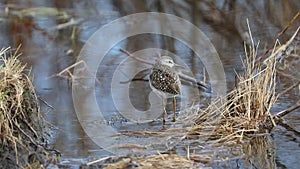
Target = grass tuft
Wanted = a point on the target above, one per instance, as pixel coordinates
(20, 120)
(246, 109)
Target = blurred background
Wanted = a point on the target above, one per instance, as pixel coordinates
(52, 34)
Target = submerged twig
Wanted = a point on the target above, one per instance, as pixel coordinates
(288, 110)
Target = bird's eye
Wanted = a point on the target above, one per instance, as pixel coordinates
(170, 61)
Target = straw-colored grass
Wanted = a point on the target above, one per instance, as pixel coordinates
(155, 161)
(246, 109)
(20, 121)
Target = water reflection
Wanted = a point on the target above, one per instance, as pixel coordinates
(260, 152)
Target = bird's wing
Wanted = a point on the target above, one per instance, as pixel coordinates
(165, 81)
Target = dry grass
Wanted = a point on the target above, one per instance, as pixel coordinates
(155, 161)
(20, 121)
(246, 109)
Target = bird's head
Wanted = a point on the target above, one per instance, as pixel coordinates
(167, 61)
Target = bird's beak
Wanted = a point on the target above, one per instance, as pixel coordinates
(178, 66)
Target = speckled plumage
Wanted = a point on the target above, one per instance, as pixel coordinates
(164, 78)
(165, 81)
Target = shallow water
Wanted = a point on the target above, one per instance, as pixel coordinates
(49, 50)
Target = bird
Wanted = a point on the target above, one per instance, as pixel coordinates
(164, 81)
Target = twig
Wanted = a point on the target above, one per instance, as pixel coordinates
(287, 111)
(134, 79)
(51, 149)
(25, 134)
(99, 160)
(196, 83)
(142, 78)
(46, 103)
(129, 146)
(30, 127)
(34, 142)
(136, 58)
(70, 75)
(286, 75)
(70, 67)
(288, 89)
(278, 35)
(186, 79)
(284, 49)
(71, 22)
(288, 127)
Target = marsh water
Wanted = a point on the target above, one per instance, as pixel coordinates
(49, 45)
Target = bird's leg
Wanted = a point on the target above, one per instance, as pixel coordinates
(174, 108)
(164, 111)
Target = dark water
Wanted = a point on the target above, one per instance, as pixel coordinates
(49, 49)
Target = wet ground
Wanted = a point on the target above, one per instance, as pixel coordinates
(49, 46)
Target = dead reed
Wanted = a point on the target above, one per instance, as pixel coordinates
(20, 121)
(246, 109)
(155, 161)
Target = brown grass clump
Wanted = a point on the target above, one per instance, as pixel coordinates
(20, 121)
(246, 109)
(170, 161)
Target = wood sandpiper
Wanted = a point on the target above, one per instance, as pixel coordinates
(165, 81)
